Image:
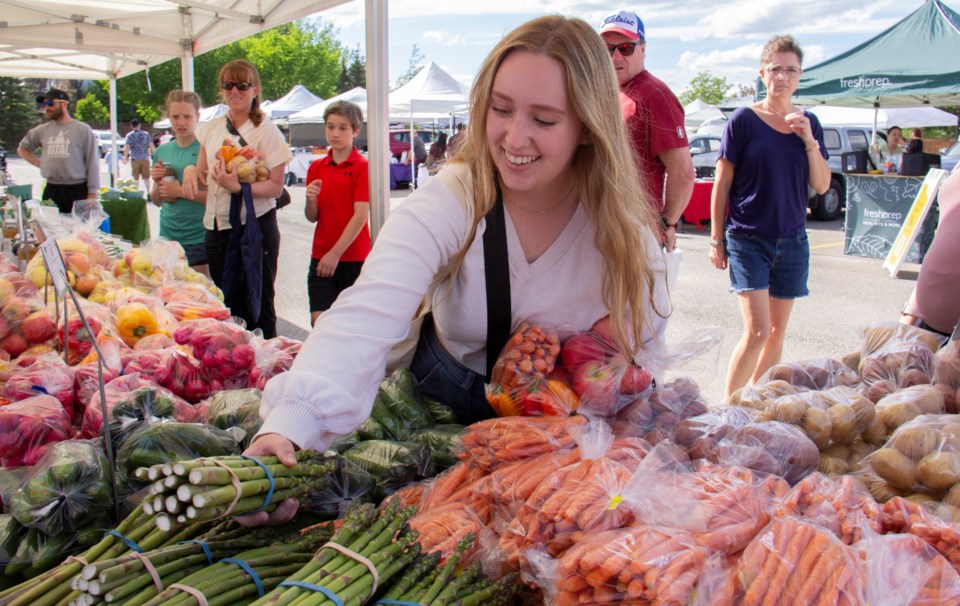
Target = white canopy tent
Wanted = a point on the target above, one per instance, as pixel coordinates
(306, 126)
(904, 117)
(206, 114)
(298, 99)
(109, 39)
(697, 112)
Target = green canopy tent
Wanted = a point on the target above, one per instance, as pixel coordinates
(914, 62)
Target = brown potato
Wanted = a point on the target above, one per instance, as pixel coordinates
(939, 470)
(881, 490)
(953, 496)
(876, 431)
(843, 424)
(915, 441)
(832, 465)
(897, 414)
(896, 468)
(816, 424)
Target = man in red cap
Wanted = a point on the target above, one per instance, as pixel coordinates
(654, 119)
(70, 161)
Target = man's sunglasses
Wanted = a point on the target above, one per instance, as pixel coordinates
(626, 48)
(227, 85)
(46, 103)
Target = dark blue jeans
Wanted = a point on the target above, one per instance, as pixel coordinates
(442, 378)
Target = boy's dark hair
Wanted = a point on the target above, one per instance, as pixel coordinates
(134, 123)
(350, 111)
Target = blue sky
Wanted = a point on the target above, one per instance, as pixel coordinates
(683, 37)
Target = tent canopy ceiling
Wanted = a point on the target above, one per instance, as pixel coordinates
(431, 91)
(912, 63)
(904, 117)
(100, 39)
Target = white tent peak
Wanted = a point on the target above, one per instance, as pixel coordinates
(431, 91)
(314, 113)
(298, 99)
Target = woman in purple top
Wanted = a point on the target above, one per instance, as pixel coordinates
(769, 153)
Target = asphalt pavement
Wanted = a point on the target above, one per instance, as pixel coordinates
(846, 293)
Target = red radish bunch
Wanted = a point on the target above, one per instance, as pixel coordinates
(27, 426)
(48, 375)
(222, 348)
(273, 357)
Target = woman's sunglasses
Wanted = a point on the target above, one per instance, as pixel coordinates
(227, 85)
(626, 48)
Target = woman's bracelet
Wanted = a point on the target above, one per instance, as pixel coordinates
(715, 243)
(810, 148)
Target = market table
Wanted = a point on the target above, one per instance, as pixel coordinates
(400, 172)
(698, 209)
(299, 165)
(128, 219)
(877, 205)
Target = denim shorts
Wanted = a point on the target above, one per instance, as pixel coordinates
(196, 253)
(780, 265)
(440, 377)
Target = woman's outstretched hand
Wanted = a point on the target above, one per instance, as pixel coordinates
(276, 445)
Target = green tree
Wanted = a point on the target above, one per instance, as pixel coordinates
(746, 90)
(91, 110)
(413, 67)
(355, 72)
(706, 87)
(17, 111)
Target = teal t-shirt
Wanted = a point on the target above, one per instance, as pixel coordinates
(181, 221)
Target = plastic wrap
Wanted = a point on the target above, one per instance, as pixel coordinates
(818, 374)
(223, 348)
(793, 562)
(922, 456)
(843, 506)
(576, 500)
(946, 375)
(161, 441)
(48, 375)
(392, 464)
(66, 489)
(771, 447)
(903, 570)
(28, 427)
(398, 407)
(642, 564)
(133, 398)
(237, 408)
(348, 483)
(444, 442)
(701, 434)
(271, 358)
(494, 442)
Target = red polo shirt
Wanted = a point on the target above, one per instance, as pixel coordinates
(343, 184)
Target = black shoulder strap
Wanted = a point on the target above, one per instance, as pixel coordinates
(497, 272)
(233, 131)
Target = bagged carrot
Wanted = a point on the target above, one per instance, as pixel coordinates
(495, 442)
(635, 565)
(579, 499)
(901, 569)
(843, 506)
(792, 562)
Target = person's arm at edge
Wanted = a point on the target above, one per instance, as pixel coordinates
(27, 155)
(819, 170)
(361, 214)
(93, 166)
(719, 201)
(677, 190)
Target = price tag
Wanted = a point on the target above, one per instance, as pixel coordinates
(54, 262)
(38, 231)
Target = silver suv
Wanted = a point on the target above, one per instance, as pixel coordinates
(838, 140)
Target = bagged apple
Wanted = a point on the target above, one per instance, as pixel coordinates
(48, 375)
(28, 426)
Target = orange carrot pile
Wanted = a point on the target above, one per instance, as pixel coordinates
(637, 565)
(495, 442)
(843, 506)
(793, 562)
(442, 528)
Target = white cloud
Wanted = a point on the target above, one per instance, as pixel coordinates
(443, 38)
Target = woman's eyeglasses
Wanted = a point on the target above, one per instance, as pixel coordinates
(227, 85)
(790, 72)
(626, 48)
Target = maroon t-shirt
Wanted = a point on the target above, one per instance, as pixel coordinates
(654, 120)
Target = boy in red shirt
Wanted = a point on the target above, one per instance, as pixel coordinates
(338, 201)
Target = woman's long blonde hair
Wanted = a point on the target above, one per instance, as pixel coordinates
(241, 70)
(606, 175)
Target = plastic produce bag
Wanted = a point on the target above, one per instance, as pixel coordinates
(223, 348)
(946, 376)
(398, 407)
(444, 442)
(68, 488)
(348, 483)
(843, 506)
(901, 406)
(922, 456)
(11, 533)
(701, 434)
(237, 408)
(839, 415)
(162, 441)
(28, 427)
(132, 398)
(441, 413)
(272, 357)
(903, 570)
(819, 374)
(770, 447)
(491, 443)
(392, 464)
(48, 375)
(655, 415)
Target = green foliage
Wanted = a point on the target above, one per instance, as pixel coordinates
(353, 71)
(706, 87)
(746, 90)
(17, 112)
(413, 67)
(91, 110)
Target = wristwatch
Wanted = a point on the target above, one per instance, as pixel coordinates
(665, 225)
(716, 243)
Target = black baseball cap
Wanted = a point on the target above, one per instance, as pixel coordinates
(53, 93)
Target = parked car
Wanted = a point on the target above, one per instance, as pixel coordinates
(950, 156)
(838, 140)
(103, 140)
(400, 141)
(713, 126)
(705, 149)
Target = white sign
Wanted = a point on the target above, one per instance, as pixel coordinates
(54, 262)
(918, 212)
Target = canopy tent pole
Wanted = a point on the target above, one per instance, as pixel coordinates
(113, 129)
(186, 59)
(377, 123)
(876, 112)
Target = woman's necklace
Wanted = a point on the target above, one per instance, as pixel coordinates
(537, 210)
(770, 109)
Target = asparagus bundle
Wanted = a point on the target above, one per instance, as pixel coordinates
(429, 585)
(366, 534)
(53, 586)
(241, 578)
(128, 580)
(217, 487)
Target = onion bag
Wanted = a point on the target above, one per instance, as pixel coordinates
(819, 374)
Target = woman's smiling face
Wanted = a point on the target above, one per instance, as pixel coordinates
(532, 130)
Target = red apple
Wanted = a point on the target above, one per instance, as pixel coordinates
(38, 327)
(14, 344)
(580, 349)
(635, 380)
(604, 330)
(598, 386)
